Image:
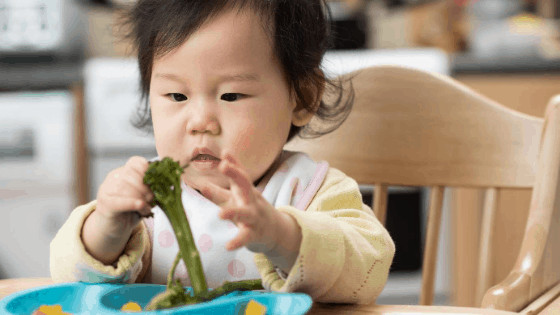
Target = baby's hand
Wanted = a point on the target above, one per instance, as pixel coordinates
(244, 205)
(123, 194)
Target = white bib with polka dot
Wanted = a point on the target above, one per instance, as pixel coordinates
(294, 183)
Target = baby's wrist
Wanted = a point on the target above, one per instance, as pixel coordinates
(103, 239)
(288, 241)
(109, 226)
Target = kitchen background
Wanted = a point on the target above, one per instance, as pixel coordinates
(69, 89)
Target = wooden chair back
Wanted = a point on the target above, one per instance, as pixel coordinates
(414, 128)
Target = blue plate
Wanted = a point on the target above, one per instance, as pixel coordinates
(84, 298)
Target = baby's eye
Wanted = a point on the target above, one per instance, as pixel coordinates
(231, 97)
(177, 97)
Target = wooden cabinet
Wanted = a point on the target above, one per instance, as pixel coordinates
(527, 93)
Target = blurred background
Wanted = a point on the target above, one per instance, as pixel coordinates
(69, 91)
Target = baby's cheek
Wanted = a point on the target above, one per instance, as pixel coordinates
(242, 146)
(256, 145)
(244, 138)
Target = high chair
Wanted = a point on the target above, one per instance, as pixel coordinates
(414, 128)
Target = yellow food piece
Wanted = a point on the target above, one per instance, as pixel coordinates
(51, 310)
(255, 308)
(131, 307)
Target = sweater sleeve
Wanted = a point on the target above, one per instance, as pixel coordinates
(345, 252)
(69, 260)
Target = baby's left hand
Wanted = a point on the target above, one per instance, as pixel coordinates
(244, 205)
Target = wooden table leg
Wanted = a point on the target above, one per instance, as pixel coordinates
(81, 156)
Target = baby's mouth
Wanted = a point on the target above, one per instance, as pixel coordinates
(205, 162)
(205, 157)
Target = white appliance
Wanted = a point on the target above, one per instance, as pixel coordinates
(112, 97)
(53, 27)
(339, 62)
(36, 166)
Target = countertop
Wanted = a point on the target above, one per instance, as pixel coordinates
(466, 63)
(39, 73)
(45, 72)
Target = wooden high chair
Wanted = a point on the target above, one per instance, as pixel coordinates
(413, 128)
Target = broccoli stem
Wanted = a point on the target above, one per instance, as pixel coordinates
(227, 287)
(172, 271)
(187, 247)
(164, 179)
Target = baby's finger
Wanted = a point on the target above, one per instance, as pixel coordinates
(241, 186)
(122, 204)
(138, 185)
(241, 239)
(230, 158)
(236, 215)
(128, 186)
(138, 164)
(215, 193)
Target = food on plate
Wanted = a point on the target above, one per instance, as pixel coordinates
(255, 308)
(50, 310)
(131, 307)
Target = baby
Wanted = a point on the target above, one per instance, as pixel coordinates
(227, 84)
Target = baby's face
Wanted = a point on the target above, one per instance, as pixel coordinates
(221, 90)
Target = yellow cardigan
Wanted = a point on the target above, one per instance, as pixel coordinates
(344, 256)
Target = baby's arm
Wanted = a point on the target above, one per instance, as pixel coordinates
(103, 241)
(70, 261)
(345, 252)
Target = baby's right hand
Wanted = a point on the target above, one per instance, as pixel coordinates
(123, 194)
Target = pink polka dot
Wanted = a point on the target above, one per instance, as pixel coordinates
(236, 268)
(205, 243)
(230, 225)
(166, 239)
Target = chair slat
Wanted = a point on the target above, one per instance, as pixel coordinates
(486, 239)
(380, 202)
(430, 251)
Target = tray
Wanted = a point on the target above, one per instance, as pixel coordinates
(85, 298)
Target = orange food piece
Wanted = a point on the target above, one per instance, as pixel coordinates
(50, 310)
(255, 308)
(131, 307)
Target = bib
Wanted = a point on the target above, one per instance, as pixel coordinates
(295, 183)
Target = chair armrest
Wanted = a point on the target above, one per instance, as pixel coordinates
(510, 294)
(536, 269)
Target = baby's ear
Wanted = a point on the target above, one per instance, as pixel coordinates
(312, 94)
(301, 116)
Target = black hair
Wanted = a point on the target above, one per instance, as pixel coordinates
(300, 33)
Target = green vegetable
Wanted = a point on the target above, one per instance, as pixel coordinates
(164, 179)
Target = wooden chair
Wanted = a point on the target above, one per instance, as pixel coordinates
(413, 128)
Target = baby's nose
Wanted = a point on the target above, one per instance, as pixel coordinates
(212, 127)
(203, 120)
